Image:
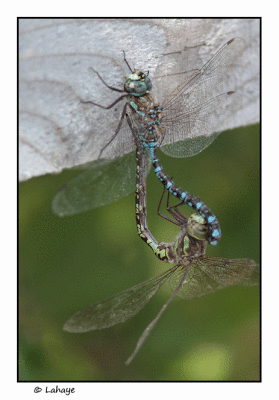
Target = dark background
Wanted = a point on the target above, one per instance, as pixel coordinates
(68, 263)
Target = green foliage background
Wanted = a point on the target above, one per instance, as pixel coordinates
(68, 263)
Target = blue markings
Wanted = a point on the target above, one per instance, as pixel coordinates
(211, 219)
(135, 107)
(151, 146)
(141, 113)
(198, 205)
(216, 232)
(183, 196)
(168, 185)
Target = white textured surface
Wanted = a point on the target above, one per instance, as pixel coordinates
(56, 130)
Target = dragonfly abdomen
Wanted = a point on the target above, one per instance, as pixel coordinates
(187, 198)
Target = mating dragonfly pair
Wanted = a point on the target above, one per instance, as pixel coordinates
(194, 108)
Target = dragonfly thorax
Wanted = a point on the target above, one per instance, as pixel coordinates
(191, 241)
(137, 83)
(148, 114)
(187, 247)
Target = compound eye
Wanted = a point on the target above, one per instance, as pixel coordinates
(135, 88)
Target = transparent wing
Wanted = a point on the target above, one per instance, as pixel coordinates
(209, 274)
(229, 271)
(117, 308)
(103, 183)
(199, 106)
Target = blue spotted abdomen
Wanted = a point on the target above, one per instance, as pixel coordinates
(185, 197)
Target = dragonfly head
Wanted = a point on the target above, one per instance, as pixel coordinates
(137, 83)
(196, 227)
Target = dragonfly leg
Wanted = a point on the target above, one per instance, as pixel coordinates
(109, 87)
(162, 215)
(173, 210)
(117, 130)
(127, 61)
(108, 107)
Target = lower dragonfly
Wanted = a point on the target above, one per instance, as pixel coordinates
(192, 275)
(190, 117)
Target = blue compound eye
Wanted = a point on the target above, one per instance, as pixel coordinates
(135, 88)
(148, 83)
(137, 84)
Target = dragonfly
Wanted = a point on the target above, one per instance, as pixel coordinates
(192, 275)
(189, 118)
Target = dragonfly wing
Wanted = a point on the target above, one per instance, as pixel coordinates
(208, 274)
(251, 280)
(117, 308)
(229, 271)
(196, 283)
(189, 147)
(97, 186)
(201, 105)
(200, 126)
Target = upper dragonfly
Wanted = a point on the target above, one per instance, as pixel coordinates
(189, 117)
(193, 274)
